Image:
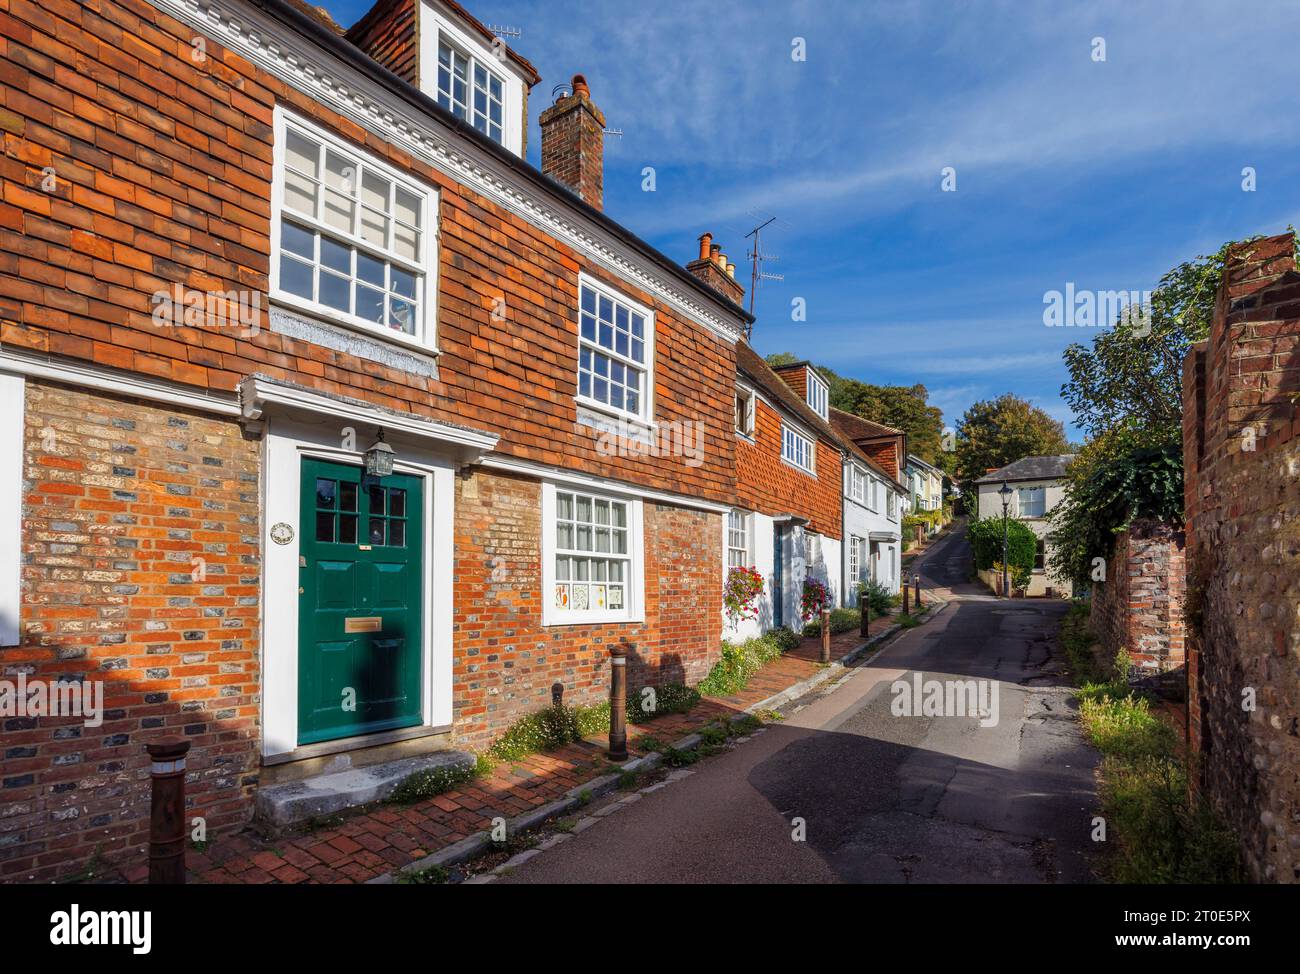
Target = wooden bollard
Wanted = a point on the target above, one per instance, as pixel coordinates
(826, 635)
(905, 609)
(864, 609)
(167, 810)
(618, 703)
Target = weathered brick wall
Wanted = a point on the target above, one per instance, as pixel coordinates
(1139, 607)
(506, 661)
(140, 528)
(389, 35)
(769, 485)
(163, 164)
(1242, 460)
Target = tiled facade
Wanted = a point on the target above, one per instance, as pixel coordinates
(140, 159)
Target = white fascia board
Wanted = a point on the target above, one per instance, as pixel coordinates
(122, 383)
(258, 393)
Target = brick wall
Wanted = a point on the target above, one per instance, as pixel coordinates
(1242, 462)
(121, 498)
(1139, 607)
(506, 661)
(163, 165)
(769, 485)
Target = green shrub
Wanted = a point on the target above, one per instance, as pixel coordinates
(986, 543)
(878, 596)
(670, 698)
(549, 728)
(786, 639)
(842, 620)
(740, 661)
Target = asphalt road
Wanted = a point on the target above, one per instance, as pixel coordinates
(882, 797)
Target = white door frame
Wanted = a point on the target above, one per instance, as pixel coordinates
(286, 442)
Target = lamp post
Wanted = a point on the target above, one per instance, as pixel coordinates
(1005, 493)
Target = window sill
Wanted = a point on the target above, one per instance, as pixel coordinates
(591, 618)
(794, 466)
(321, 313)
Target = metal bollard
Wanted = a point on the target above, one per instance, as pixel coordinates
(917, 582)
(167, 810)
(905, 608)
(618, 703)
(864, 608)
(826, 635)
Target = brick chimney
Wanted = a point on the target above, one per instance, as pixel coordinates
(714, 269)
(573, 143)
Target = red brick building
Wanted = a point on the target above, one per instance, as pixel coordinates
(244, 256)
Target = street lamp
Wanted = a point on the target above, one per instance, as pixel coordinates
(1005, 493)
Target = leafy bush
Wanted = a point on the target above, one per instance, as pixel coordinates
(549, 728)
(669, 698)
(842, 620)
(879, 598)
(786, 638)
(1112, 484)
(740, 661)
(986, 542)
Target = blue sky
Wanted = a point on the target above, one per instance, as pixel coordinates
(1105, 174)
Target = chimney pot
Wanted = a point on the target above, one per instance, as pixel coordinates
(731, 271)
(705, 240)
(580, 88)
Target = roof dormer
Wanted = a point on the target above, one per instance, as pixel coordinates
(804, 379)
(456, 60)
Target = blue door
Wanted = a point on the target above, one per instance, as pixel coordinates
(778, 573)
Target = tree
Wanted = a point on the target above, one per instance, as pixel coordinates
(995, 432)
(902, 407)
(1131, 377)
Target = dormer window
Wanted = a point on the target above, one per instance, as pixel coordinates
(819, 394)
(469, 90)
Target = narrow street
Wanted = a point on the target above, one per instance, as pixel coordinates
(883, 798)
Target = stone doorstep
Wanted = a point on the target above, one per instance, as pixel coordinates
(324, 794)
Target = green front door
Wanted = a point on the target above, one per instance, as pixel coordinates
(360, 584)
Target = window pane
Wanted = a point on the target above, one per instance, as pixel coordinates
(347, 497)
(347, 529)
(324, 526)
(338, 211)
(403, 283)
(406, 242)
(325, 493)
(401, 316)
(296, 240)
(370, 304)
(335, 256)
(377, 525)
(302, 153)
(407, 207)
(340, 173)
(374, 227)
(295, 277)
(397, 502)
(335, 292)
(397, 534)
(370, 270)
(375, 190)
(300, 193)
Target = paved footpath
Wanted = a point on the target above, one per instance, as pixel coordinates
(845, 791)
